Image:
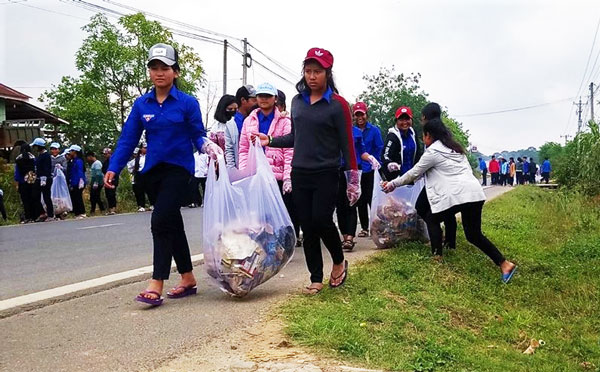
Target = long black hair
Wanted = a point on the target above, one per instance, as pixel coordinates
(301, 86)
(438, 131)
(431, 111)
(221, 114)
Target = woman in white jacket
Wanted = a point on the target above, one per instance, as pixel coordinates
(452, 188)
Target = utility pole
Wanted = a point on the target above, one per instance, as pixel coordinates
(566, 137)
(579, 115)
(244, 65)
(592, 99)
(225, 67)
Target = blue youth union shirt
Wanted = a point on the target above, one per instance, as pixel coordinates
(172, 128)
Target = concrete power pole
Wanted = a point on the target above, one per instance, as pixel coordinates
(579, 115)
(592, 100)
(244, 64)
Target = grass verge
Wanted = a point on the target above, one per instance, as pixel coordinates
(402, 311)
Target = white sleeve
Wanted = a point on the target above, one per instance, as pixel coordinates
(427, 161)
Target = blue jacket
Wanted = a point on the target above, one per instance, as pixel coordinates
(43, 165)
(171, 131)
(526, 167)
(373, 142)
(359, 146)
(482, 165)
(546, 167)
(77, 172)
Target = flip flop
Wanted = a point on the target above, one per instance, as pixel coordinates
(311, 291)
(187, 291)
(150, 301)
(348, 245)
(508, 276)
(344, 273)
(363, 234)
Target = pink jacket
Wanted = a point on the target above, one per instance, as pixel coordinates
(280, 159)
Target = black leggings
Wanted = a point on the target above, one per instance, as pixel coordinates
(169, 184)
(291, 208)
(364, 203)
(2, 209)
(96, 198)
(433, 226)
(111, 195)
(315, 194)
(77, 200)
(471, 221)
(346, 214)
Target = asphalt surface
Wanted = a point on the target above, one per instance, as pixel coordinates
(51, 254)
(107, 330)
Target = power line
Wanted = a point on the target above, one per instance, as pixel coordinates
(42, 9)
(275, 62)
(514, 109)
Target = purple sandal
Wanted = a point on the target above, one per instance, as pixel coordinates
(187, 291)
(150, 301)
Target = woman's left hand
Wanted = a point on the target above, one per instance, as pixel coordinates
(388, 186)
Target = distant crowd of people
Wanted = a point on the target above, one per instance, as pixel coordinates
(510, 172)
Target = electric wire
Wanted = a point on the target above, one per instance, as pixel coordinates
(515, 109)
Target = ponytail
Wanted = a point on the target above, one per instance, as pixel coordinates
(439, 132)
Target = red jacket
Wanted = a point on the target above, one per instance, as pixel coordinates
(494, 166)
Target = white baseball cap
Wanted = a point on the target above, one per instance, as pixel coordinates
(266, 88)
(38, 142)
(54, 145)
(75, 148)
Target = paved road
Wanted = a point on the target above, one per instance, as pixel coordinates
(108, 331)
(49, 255)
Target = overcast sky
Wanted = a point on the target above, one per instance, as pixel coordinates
(474, 56)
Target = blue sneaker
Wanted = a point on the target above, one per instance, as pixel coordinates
(508, 276)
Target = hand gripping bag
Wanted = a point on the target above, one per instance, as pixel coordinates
(59, 193)
(248, 234)
(393, 216)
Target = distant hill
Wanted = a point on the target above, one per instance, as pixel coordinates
(529, 152)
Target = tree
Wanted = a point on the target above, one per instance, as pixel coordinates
(388, 90)
(112, 66)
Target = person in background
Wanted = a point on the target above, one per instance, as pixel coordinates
(226, 109)
(525, 170)
(321, 133)
(402, 148)
(546, 169)
(484, 171)
(200, 172)
(245, 97)
(25, 179)
(512, 171)
(452, 188)
(533, 168)
(371, 138)
(519, 171)
(57, 158)
(224, 112)
(281, 105)
(494, 169)
(174, 128)
(111, 194)
(267, 119)
(504, 168)
(96, 182)
(76, 180)
(135, 167)
(2, 209)
(43, 183)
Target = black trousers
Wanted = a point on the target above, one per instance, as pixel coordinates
(169, 183)
(77, 200)
(494, 178)
(364, 203)
(484, 177)
(30, 203)
(520, 180)
(315, 194)
(546, 177)
(433, 225)
(289, 205)
(96, 198)
(532, 178)
(140, 194)
(471, 220)
(346, 214)
(194, 196)
(203, 188)
(111, 196)
(46, 193)
(2, 209)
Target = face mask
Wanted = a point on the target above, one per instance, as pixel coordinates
(229, 114)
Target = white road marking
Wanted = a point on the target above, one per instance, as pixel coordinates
(98, 226)
(75, 287)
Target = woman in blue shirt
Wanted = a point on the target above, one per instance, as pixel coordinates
(173, 123)
(77, 180)
(402, 149)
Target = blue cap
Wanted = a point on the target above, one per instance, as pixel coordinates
(38, 142)
(54, 145)
(266, 88)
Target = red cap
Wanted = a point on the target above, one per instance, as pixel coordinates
(404, 110)
(322, 56)
(360, 107)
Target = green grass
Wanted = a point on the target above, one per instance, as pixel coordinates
(402, 311)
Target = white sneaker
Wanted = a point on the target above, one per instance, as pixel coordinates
(151, 208)
(81, 216)
(141, 209)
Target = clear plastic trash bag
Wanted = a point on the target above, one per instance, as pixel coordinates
(59, 192)
(248, 234)
(393, 216)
